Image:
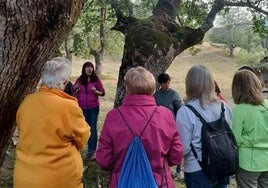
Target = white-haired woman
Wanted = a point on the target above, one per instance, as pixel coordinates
(200, 94)
(52, 131)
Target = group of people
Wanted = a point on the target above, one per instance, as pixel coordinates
(50, 140)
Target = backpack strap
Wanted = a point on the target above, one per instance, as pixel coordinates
(129, 126)
(222, 110)
(203, 121)
(200, 117)
(196, 113)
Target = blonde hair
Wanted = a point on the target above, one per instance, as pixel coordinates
(200, 85)
(139, 81)
(247, 88)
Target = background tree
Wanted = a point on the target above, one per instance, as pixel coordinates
(92, 34)
(261, 27)
(30, 33)
(236, 30)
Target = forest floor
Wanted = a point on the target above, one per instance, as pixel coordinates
(216, 59)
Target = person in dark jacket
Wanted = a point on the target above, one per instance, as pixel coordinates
(169, 98)
(68, 88)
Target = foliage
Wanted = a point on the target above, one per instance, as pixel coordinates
(235, 30)
(194, 50)
(114, 45)
(192, 13)
(143, 9)
(93, 176)
(86, 33)
(245, 58)
(241, 36)
(189, 14)
(260, 26)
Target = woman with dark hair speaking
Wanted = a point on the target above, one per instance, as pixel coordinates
(87, 89)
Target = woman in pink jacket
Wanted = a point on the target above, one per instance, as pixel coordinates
(87, 89)
(160, 139)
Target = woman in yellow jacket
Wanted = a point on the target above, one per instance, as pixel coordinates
(52, 131)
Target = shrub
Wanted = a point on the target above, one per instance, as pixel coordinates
(245, 58)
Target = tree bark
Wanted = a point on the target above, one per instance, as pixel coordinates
(153, 42)
(231, 50)
(30, 34)
(98, 61)
(68, 50)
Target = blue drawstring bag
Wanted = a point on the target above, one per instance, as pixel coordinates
(136, 171)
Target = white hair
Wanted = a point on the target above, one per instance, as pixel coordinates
(56, 72)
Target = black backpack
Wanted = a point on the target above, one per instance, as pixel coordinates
(219, 147)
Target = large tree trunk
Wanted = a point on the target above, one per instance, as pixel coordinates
(148, 46)
(30, 34)
(153, 42)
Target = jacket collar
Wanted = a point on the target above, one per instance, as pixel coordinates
(56, 92)
(139, 100)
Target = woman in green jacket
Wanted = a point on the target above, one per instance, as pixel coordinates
(250, 127)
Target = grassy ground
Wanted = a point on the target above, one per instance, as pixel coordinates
(217, 60)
